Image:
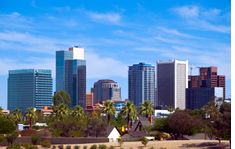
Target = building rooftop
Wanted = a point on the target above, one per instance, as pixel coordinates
(22, 71)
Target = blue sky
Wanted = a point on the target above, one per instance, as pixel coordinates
(115, 35)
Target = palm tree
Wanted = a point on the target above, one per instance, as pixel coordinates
(61, 110)
(77, 112)
(31, 115)
(17, 115)
(130, 112)
(147, 109)
(108, 109)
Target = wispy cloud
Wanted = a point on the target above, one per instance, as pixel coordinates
(109, 17)
(187, 11)
(203, 19)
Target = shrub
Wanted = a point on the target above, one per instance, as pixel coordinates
(61, 146)
(94, 146)
(35, 140)
(68, 147)
(120, 141)
(85, 147)
(53, 147)
(2, 138)
(46, 143)
(151, 147)
(102, 146)
(11, 137)
(14, 146)
(76, 147)
(162, 148)
(144, 141)
(140, 147)
(111, 147)
(29, 146)
(162, 136)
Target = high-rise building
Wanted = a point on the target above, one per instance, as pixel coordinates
(106, 90)
(206, 87)
(29, 88)
(207, 78)
(196, 98)
(141, 83)
(89, 100)
(71, 74)
(172, 81)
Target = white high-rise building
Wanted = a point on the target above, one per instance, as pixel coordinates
(78, 53)
(172, 81)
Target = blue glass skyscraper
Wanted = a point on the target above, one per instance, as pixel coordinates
(71, 74)
(61, 56)
(141, 83)
(29, 88)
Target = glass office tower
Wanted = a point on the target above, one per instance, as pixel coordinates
(61, 56)
(71, 74)
(29, 88)
(75, 81)
(141, 83)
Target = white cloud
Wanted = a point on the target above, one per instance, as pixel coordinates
(203, 19)
(111, 17)
(187, 11)
(102, 67)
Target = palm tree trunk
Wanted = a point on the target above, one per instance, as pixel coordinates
(128, 120)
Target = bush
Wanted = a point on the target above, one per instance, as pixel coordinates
(29, 146)
(68, 147)
(144, 141)
(102, 146)
(76, 147)
(35, 140)
(162, 136)
(61, 146)
(14, 146)
(120, 141)
(94, 146)
(53, 147)
(140, 147)
(46, 143)
(11, 137)
(2, 138)
(151, 147)
(85, 147)
(111, 147)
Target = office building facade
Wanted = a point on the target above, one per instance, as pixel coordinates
(71, 74)
(141, 83)
(29, 88)
(205, 87)
(199, 97)
(172, 81)
(106, 90)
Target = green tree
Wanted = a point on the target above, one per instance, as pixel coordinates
(31, 116)
(222, 125)
(170, 109)
(17, 115)
(181, 123)
(108, 109)
(211, 110)
(161, 124)
(61, 111)
(61, 97)
(77, 112)
(130, 112)
(6, 125)
(147, 109)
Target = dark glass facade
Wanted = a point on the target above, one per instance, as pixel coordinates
(75, 81)
(141, 83)
(61, 56)
(29, 88)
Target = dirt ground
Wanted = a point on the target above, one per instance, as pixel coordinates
(179, 144)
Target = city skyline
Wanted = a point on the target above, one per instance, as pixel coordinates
(34, 30)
